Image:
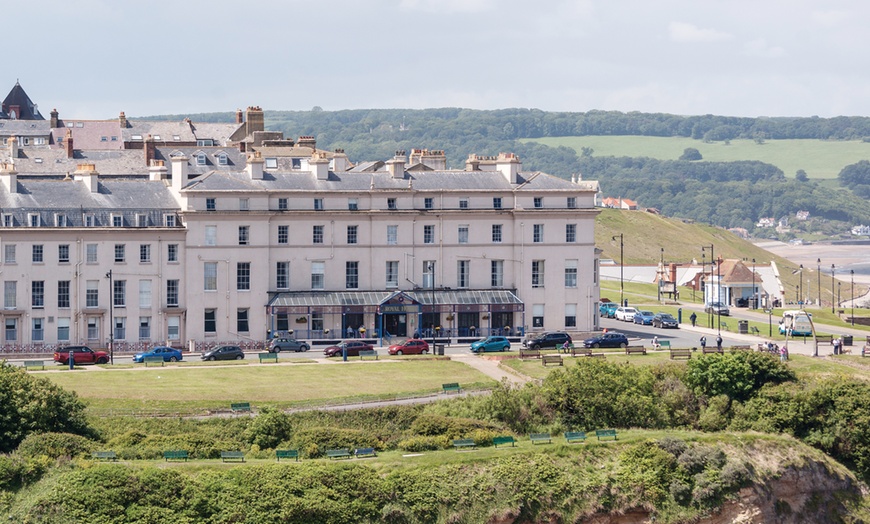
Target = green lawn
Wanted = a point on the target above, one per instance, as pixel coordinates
(822, 159)
(194, 389)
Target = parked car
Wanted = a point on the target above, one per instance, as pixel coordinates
(169, 354)
(624, 313)
(278, 345)
(717, 308)
(665, 320)
(413, 346)
(224, 353)
(490, 344)
(606, 309)
(353, 348)
(643, 318)
(81, 355)
(551, 339)
(607, 340)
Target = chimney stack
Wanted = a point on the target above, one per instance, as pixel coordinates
(255, 166)
(396, 165)
(307, 141)
(157, 170)
(179, 173)
(319, 166)
(149, 149)
(68, 143)
(340, 162)
(240, 117)
(87, 173)
(256, 120)
(509, 166)
(122, 120)
(54, 119)
(472, 163)
(9, 177)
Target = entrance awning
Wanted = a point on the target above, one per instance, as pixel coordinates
(495, 299)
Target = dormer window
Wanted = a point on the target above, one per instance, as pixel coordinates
(205, 142)
(297, 163)
(169, 220)
(33, 219)
(136, 137)
(271, 163)
(141, 220)
(352, 204)
(90, 221)
(223, 159)
(60, 220)
(156, 137)
(200, 159)
(117, 221)
(8, 220)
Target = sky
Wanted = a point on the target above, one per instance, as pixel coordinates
(95, 58)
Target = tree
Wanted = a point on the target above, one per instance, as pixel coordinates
(855, 174)
(801, 176)
(690, 153)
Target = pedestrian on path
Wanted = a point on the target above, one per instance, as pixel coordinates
(693, 317)
(783, 353)
(703, 343)
(719, 343)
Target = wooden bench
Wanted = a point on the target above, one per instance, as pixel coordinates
(451, 387)
(153, 359)
(175, 454)
(496, 441)
(825, 339)
(538, 438)
(365, 452)
(711, 350)
(34, 364)
(338, 453)
(232, 455)
(664, 344)
(605, 434)
(741, 348)
(635, 349)
(368, 353)
(530, 353)
(460, 443)
(583, 352)
(575, 436)
(268, 357)
(286, 454)
(551, 359)
(239, 407)
(681, 353)
(105, 455)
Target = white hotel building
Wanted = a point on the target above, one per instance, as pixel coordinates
(316, 246)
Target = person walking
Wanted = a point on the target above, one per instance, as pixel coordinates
(836, 344)
(693, 317)
(719, 343)
(703, 343)
(783, 353)
(349, 332)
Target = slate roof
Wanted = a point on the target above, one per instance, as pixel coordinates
(185, 130)
(25, 128)
(54, 162)
(89, 134)
(381, 180)
(72, 194)
(17, 97)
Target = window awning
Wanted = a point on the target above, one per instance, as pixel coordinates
(457, 297)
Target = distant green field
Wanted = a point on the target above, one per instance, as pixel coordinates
(819, 158)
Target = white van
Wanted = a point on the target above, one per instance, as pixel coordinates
(796, 323)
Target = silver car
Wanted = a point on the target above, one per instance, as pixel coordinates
(287, 344)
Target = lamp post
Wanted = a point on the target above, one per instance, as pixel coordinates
(801, 282)
(718, 288)
(838, 293)
(819, 276)
(754, 301)
(832, 289)
(432, 276)
(621, 269)
(111, 318)
(661, 273)
(852, 294)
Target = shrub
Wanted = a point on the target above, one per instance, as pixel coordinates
(315, 442)
(698, 458)
(739, 375)
(424, 443)
(649, 470)
(54, 445)
(715, 416)
(450, 427)
(269, 428)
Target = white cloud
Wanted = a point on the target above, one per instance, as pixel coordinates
(683, 32)
(447, 6)
(759, 47)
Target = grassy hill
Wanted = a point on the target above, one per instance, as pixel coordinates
(821, 159)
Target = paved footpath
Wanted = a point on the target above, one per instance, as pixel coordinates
(491, 368)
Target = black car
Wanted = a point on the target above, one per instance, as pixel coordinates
(553, 339)
(607, 340)
(224, 353)
(287, 344)
(665, 320)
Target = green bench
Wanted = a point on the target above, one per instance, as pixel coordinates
(175, 454)
(575, 436)
(286, 454)
(105, 455)
(232, 456)
(451, 387)
(605, 434)
(365, 452)
(551, 359)
(153, 359)
(665, 344)
(504, 440)
(268, 357)
(753, 330)
(460, 443)
(338, 453)
(239, 407)
(681, 353)
(368, 353)
(538, 438)
(34, 364)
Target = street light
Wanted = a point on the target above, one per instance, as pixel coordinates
(819, 271)
(832, 288)
(754, 300)
(111, 318)
(432, 275)
(621, 270)
(718, 287)
(661, 273)
(801, 282)
(852, 294)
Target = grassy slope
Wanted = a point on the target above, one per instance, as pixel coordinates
(821, 159)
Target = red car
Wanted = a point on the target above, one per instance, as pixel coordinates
(81, 355)
(353, 348)
(413, 346)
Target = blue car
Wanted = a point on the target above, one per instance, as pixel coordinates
(169, 354)
(607, 309)
(644, 317)
(490, 344)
